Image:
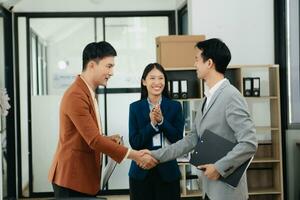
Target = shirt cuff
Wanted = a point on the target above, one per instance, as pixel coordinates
(162, 121)
(126, 156)
(154, 127)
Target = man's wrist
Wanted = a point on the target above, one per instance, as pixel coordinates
(132, 154)
(127, 155)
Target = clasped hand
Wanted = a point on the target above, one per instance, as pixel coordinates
(144, 159)
(155, 115)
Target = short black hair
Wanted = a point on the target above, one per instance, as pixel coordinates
(216, 50)
(96, 51)
(148, 68)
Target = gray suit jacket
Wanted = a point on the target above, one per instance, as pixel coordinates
(226, 115)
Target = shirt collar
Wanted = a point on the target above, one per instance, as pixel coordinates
(152, 105)
(93, 94)
(210, 92)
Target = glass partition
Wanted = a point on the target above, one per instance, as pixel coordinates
(134, 39)
(3, 156)
(56, 59)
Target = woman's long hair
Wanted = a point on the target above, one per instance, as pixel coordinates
(144, 91)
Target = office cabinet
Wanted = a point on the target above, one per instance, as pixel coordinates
(265, 179)
(177, 51)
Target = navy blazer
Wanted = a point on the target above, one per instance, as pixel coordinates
(141, 133)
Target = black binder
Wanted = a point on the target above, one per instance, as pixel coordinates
(175, 89)
(247, 86)
(211, 148)
(256, 86)
(183, 89)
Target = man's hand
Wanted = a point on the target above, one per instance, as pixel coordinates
(147, 162)
(143, 158)
(210, 171)
(147, 157)
(116, 138)
(146, 151)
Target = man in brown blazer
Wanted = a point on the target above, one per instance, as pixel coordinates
(76, 167)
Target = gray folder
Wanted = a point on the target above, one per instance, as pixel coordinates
(109, 169)
(211, 148)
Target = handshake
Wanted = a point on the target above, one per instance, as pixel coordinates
(143, 158)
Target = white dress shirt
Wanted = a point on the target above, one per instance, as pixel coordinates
(93, 94)
(209, 92)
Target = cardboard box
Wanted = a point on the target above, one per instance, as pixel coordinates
(177, 50)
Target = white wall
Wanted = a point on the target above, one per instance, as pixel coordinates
(180, 3)
(45, 133)
(247, 27)
(93, 5)
(23, 101)
(118, 107)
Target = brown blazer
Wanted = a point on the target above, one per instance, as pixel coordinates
(76, 164)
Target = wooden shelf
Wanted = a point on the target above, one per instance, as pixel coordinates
(189, 99)
(252, 66)
(266, 128)
(255, 160)
(261, 97)
(180, 68)
(192, 82)
(264, 191)
(265, 160)
(192, 193)
(264, 142)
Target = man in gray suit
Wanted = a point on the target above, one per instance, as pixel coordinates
(223, 111)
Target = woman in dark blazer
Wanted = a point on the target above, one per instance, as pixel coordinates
(154, 121)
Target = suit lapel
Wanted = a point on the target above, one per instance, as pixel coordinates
(164, 105)
(86, 90)
(145, 108)
(203, 105)
(214, 97)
